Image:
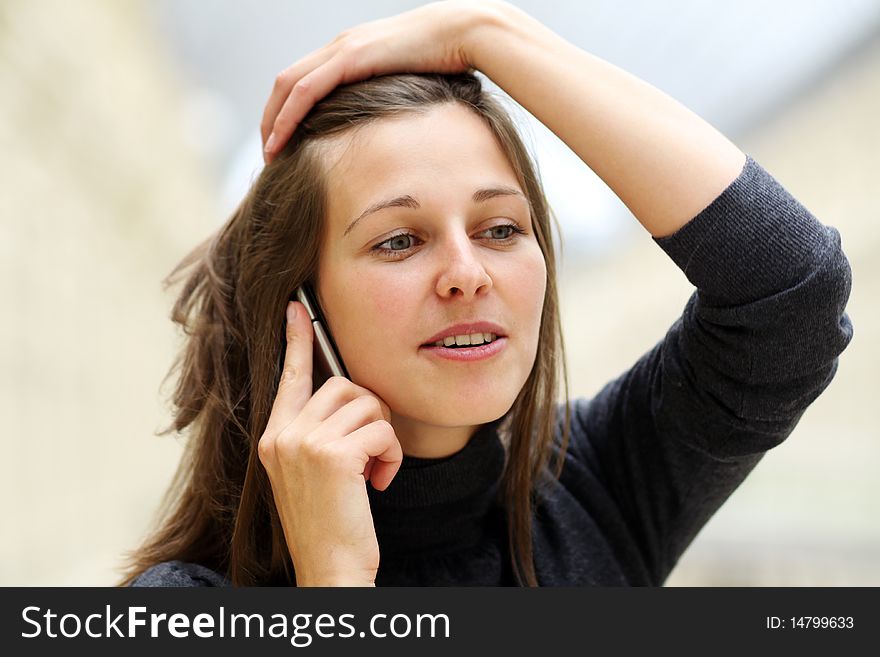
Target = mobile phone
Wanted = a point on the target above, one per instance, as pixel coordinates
(326, 360)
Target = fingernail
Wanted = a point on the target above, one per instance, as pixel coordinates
(291, 311)
(270, 143)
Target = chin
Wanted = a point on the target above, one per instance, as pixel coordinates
(418, 401)
(470, 413)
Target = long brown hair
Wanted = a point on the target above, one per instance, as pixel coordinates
(219, 511)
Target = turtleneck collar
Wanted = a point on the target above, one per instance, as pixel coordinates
(439, 505)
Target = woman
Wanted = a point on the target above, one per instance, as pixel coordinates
(401, 192)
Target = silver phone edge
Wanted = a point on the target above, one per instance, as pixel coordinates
(320, 335)
(327, 349)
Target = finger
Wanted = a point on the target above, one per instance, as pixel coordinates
(336, 393)
(284, 82)
(357, 413)
(307, 91)
(377, 439)
(295, 386)
(384, 472)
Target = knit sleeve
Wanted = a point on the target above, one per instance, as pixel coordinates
(179, 574)
(758, 341)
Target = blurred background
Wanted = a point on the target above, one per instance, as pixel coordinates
(129, 130)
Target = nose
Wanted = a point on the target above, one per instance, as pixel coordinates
(462, 273)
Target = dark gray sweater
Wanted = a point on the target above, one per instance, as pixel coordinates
(659, 449)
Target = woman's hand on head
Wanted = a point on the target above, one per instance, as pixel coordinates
(428, 39)
(318, 451)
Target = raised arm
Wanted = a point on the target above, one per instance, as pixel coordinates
(757, 343)
(662, 160)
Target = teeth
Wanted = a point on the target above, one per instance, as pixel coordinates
(465, 339)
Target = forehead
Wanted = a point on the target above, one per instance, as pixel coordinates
(443, 154)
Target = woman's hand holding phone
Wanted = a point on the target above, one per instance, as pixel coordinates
(319, 451)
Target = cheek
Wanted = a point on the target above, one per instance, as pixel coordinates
(387, 297)
(376, 310)
(379, 298)
(378, 314)
(530, 280)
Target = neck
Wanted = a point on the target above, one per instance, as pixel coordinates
(440, 505)
(428, 441)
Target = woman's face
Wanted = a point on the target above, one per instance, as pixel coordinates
(441, 256)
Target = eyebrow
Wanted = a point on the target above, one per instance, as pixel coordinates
(407, 201)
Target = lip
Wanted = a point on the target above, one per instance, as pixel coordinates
(461, 329)
(478, 352)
